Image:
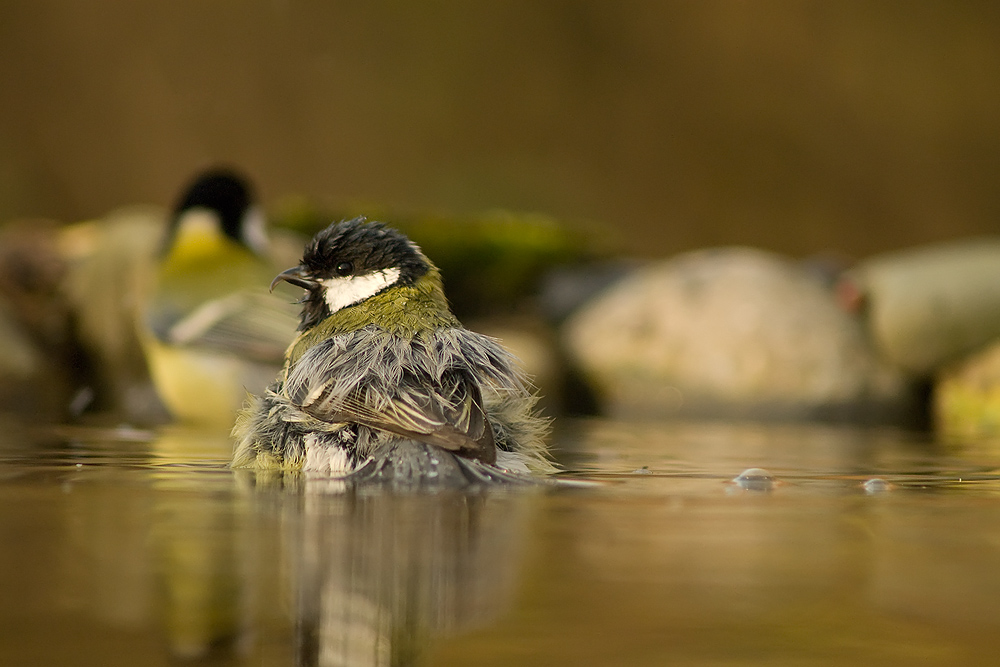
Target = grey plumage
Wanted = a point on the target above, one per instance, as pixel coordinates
(369, 372)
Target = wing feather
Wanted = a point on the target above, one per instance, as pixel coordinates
(339, 383)
(256, 326)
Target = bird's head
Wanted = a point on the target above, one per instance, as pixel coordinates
(349, 263)
(218, 204)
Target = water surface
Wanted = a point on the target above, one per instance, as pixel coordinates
(138, 548)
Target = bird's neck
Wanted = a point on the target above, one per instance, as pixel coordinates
(406, 311)
(196, 235)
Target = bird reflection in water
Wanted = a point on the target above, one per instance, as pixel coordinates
(375, 575)
(277, 568)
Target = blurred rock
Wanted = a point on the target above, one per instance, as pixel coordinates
(731, 332)
(110, 264)
(31, 271)
(19, 357)
(40, 367)
(967, 395)
(929, 306)
(566, 288)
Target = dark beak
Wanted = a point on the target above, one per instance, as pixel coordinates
(296, 276)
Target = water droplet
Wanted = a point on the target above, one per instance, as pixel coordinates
(755, 479)
(876, 485)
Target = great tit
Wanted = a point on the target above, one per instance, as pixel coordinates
(210, 328)
(382, 383)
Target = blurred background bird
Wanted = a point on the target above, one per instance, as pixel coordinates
(210, 328)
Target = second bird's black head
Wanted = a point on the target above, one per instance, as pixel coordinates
(224, 192)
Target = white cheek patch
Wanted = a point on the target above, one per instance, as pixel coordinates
(349, 290)
(197, 224)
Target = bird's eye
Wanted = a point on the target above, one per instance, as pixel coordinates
(344, 268)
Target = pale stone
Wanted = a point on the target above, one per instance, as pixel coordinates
(930, 306)
(729, 330)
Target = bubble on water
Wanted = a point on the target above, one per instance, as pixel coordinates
(755, 479)
(876, 485)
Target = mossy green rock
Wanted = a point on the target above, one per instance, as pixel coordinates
(491, 262)
(967, 395)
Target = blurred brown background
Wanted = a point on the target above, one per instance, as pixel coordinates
(800, 126)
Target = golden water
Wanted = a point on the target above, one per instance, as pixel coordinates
(127, 548)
